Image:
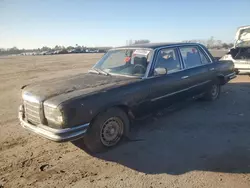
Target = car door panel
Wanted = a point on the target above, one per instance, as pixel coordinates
(196, 72)
(198, 80)
(167, 89)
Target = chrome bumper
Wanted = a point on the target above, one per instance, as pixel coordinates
(231, 76)
(57, 135)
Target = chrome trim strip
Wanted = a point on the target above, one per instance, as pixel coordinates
(57, 135)
(32, 111)
(32, 105)
(232, 77)
(176, 92)
(33, 116)
(47, 104)
(231, 74)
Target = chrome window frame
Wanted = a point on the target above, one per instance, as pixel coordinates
(177, 53)
(199, 51)
(148, 74)
(152, 65)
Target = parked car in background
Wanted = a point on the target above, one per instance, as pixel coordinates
(47, 53)
(77, 50)
(63, 51)
(240, 53)
(56, 51)
(128, 82)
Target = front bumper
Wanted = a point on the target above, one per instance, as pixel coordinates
(57, 135)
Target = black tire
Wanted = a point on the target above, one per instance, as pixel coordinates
(213, 92)
(112, 120)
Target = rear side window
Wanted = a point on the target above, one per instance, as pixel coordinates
(190, 56)
(204, 58)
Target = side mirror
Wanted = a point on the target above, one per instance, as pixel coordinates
(160, 71)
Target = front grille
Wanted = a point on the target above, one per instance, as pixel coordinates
(32, 112)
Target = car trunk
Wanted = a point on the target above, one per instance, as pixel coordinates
(240, 53)
(241, 50)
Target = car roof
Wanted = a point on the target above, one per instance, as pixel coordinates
(158, 45)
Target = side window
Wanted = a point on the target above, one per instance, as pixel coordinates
(190, 56)
(168, 58)
(204, 58)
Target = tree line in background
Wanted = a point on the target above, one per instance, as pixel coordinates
(211, 43)
(55, 50)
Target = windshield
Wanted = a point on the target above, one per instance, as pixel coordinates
(128, 62)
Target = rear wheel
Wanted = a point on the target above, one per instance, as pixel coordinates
(213, 93)
(107, 130)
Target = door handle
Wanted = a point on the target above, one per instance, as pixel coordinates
(211, 69)
(184, 77)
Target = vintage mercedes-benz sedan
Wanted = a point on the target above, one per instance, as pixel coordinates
(128, 82)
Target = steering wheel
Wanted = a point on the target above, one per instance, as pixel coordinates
(138, 68)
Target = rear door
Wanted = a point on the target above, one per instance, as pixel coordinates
(197, 68)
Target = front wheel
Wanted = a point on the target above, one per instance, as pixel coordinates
(107, 130)
(213, 92)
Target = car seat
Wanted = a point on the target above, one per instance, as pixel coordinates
(193, 59)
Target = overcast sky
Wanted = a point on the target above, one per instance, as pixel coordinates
(37, 23)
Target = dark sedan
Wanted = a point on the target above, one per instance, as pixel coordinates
(128, 82)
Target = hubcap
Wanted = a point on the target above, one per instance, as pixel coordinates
(111, 131)
(214, 91)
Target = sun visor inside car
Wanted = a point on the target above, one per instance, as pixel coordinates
(141, 52)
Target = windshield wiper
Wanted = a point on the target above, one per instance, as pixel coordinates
(103, 72)
(93, 71)
(99, 71)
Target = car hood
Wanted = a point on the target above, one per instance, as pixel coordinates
(242, 37)
(71, 86)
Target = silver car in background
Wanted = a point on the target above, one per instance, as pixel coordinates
(240, 53)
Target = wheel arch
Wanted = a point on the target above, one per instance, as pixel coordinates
(124, 107)
(221, 78)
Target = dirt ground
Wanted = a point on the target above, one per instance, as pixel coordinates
(197, 144)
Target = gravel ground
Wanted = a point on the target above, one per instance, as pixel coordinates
(196, 144)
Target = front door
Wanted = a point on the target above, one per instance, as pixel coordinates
(169, 88)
